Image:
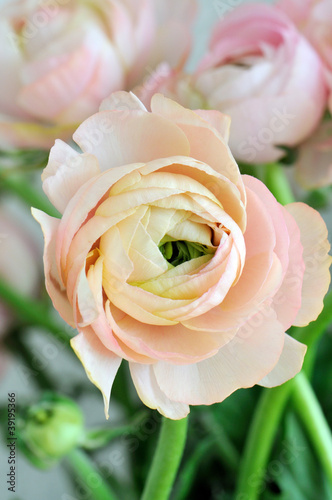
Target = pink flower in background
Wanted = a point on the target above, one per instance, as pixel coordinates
(262, 73)
(62, 59)
(313, 19)
(19, 263)
(167, 257)
(314, 163)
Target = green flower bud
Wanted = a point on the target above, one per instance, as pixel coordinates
(50, 429)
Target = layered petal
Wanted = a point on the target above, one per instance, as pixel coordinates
(242, 362)
(148, 390)
(289, 364)
(317, 261)
(100, 364)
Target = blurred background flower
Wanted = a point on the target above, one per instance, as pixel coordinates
(63, 57)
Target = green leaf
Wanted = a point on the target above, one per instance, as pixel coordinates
(294, 469)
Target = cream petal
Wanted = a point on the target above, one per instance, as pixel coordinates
(230, 197)
(100, 326)
(116, 258)
(81, 246)
(317, 261)
(85, 301)
(289, 364)
(148, 390)
(159, 222)
(206, 144)
(242, 362)
(100, 364)
(146, 257)
(80, 206)
(192, 231)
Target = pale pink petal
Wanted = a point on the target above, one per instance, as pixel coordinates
(260, 242)
(243, 362)
(100, 364)
(56, 291)
(218, 120)
(289, 364)
(66, 172)
(120, 137)
(317, 261)
(287, 301)
(148, 390)
(175, 343)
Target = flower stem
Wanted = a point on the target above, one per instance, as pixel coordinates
(166, 460)
(28, 194)
(277, 182)
(31, 311)
(88, 476)
(309, 411)
(260, 440)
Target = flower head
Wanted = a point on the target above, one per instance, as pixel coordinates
(167, 257)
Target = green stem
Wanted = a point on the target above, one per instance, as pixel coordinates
(277, 182)
(166, 460)
(29, 195)
(260, 440)
(88, 476)
(309, 411)
(31, 311)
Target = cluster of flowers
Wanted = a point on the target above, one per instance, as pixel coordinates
(165, 255)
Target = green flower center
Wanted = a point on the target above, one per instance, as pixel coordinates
(177, 252)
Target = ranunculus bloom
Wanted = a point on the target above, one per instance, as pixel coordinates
(62, 58)
(261, 72)
(314, 163)
(167, 257)
(313, 19)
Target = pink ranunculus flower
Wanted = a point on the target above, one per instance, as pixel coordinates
(314, 164)
(265, 75)
(63, 58)
(313, 19)
(166, 257)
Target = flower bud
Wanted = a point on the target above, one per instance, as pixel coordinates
(50, 429)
